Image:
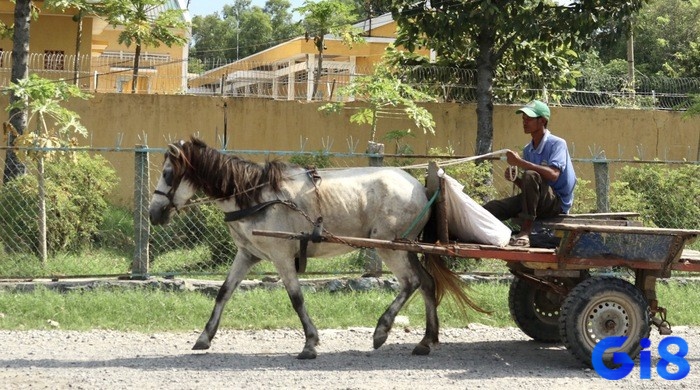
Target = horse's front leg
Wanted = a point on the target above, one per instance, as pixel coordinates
(241, 265)
(289, 277)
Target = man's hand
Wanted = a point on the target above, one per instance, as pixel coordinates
(514, 159)
(547, 172)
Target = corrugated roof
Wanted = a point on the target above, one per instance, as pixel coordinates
(375, 22)
(171, 5)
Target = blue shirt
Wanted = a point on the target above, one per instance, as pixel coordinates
(553, 152)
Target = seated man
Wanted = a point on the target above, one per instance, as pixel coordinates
(548, 179)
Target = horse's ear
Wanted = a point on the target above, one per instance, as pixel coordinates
(174, 150)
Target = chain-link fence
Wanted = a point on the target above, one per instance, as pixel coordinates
(89, 234)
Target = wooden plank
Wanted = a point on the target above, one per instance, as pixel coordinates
(547, 258)
(600, 215)
(625, 229)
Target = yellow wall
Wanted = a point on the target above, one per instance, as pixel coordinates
(263, 124)
(44, 36)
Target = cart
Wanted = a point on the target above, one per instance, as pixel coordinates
(554, 295)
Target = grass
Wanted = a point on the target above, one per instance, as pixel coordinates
(98, 262)
(145, 310)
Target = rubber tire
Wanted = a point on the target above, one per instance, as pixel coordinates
(601, 301)
(536, 310)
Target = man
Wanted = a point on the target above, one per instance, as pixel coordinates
(548, 179)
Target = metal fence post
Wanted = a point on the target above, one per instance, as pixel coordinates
(602, 185)
(377, 149)
(142, 227)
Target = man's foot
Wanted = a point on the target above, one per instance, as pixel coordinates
(523, 241)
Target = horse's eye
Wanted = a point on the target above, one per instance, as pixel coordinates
(168, 177)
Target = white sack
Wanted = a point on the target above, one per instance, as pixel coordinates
(468, 221)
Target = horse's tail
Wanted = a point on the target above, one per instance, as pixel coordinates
(448, 281)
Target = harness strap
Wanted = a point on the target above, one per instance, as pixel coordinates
(240, 214)
(422, 213)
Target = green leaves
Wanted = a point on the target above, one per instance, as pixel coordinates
(144, 24)
(386, 97)
(56, 126)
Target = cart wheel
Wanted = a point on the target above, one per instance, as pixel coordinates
(602, 307)
(536, 309)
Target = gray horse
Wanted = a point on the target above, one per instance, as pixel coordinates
(380, 203)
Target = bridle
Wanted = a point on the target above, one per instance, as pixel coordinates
(169, 181)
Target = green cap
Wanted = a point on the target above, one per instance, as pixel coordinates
(534, 109)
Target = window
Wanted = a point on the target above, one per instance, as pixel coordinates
(54, 59)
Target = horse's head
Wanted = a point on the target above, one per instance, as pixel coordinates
(173, 189)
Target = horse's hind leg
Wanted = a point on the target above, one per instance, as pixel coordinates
(409, 282)
(241, 265)
(289, 277)
(432, 324)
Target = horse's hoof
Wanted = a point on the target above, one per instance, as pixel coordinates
(421, 350)
(202, 343)
(380, 339)
(307, 354)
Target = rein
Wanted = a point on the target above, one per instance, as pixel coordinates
(243, 213)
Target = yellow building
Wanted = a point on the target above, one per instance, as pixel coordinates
(102, 64)
(287, 71)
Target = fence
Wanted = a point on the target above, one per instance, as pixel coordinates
(158, 73)
(88, 237)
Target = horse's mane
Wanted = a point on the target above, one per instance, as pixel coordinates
(224, 176)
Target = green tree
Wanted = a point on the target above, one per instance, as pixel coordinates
(56, 127)
(327, 17)
(210, 37)
(529, 34)
(255, 30)
(240, 30)
(281, 20)
(666, 39)
(386, 97)
(142, 28)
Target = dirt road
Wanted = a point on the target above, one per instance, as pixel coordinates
(478, 357)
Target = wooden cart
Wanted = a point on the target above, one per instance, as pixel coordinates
(559, 294)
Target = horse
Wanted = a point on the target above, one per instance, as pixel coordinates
(371, 202)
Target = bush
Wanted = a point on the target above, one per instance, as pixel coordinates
(198, 226)
(76, 201)
(584, 198)
(670, 196)
(318, 160)
(116, 231)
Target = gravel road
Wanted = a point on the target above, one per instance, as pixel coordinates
(478, 357)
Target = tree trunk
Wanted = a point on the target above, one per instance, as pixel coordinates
(78, 41)
(484, 93)
(20, 70)
(135, 77)
(319, 68)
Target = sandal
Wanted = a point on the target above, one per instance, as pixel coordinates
(519, 241)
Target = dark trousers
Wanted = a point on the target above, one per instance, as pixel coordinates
(536, 200)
